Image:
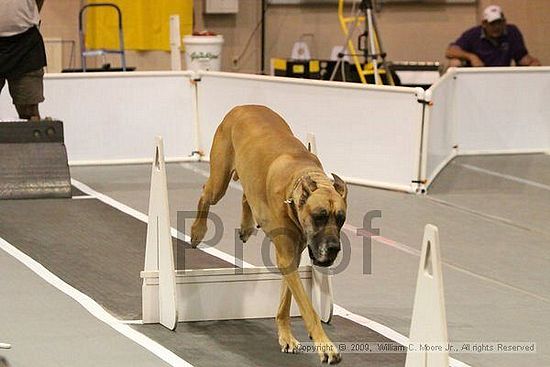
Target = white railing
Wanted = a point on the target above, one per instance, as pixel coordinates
(503, 110)
(367, 134)
(486, 111)
(372, 135)
(113, 117)
(439, 143)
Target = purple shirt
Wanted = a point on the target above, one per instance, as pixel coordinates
(500, 52)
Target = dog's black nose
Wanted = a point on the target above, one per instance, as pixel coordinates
(329, 250)
(332, 249)
(326, 254)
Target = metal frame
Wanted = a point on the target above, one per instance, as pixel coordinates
(84, 52)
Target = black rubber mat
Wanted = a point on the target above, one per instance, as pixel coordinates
(254, 343)
(33, 160)
(34, 170)
(91, 246)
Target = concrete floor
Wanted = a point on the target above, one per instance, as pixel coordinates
(491, 212)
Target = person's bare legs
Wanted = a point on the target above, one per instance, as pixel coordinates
(28, 111)
(27, 91)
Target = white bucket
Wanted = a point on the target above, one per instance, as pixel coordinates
(203, 52)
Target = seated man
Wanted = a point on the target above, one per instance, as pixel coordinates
(493, 43)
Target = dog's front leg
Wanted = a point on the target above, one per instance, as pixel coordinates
(327, 351)
(287, 261)
(288, 342)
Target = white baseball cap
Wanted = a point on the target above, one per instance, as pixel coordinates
(492, 13)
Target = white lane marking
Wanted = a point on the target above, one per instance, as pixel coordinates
(131, 322)
(505, 176)
(82, 197)
(93, 307)
(341, 311)
(373, 325)
(108, 200)
(144, 218)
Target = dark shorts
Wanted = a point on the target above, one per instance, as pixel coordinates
(27, 89)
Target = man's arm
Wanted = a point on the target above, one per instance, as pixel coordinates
(519, 51)
(456, 52)
(39, 3)
(529, 60)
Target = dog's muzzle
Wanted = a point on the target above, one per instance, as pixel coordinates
(325, 253)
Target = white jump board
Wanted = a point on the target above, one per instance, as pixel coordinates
(222, 294)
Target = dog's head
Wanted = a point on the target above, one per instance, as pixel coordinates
(321, 210)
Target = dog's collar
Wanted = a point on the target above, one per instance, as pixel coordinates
(291, 207)
(290, 199)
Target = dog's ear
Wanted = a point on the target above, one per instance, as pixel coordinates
(340, 186)
(308, 186)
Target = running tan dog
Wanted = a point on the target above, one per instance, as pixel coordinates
(288, 195)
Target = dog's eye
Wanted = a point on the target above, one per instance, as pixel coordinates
(340, 219)
(320, 218)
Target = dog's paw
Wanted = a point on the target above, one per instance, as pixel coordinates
(289, 344)
(329, 353)
(245, 233)
(197, 234)
(194, 242)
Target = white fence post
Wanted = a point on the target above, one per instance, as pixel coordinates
(175, 43)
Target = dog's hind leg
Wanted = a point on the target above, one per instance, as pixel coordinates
(221, 170)
(287, 341)
(247, 221)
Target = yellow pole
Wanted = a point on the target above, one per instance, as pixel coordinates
(351, 48)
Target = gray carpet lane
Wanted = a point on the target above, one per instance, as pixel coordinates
(91, 246)
(254, 343)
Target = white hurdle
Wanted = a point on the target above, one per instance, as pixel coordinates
(159, 257)
(170, 295)
(429, 323)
